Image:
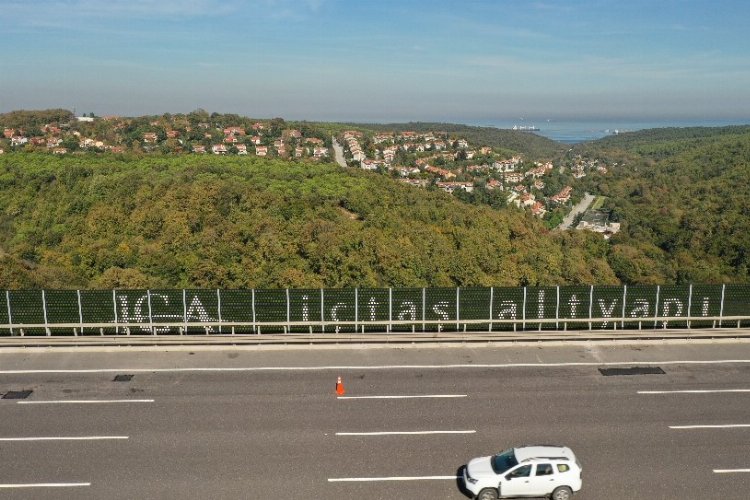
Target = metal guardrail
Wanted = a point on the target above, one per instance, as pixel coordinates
(383, 327)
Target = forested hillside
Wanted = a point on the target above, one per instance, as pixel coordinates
(660, 143)
(100, 221)
(684, 200)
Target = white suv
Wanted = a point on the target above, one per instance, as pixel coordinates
(526, 471)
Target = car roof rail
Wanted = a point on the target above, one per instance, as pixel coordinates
(528, 459)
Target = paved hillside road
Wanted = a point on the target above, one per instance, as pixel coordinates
(251, 423)
(581, 207)
(338, 152)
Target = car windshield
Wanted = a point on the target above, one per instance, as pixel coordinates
(504, 461)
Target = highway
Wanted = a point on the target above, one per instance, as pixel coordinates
(248, 422)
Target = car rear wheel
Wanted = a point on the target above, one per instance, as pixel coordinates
(562, 493)
(487, 494)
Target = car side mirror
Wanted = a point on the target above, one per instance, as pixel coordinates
(508, 477)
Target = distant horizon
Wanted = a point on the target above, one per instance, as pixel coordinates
(472, 121)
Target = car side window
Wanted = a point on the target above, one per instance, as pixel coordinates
(544, 470)
(563, 467)
(523, 471)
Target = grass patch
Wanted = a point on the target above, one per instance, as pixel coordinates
(598, 203)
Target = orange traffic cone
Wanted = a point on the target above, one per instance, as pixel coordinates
(339, 387)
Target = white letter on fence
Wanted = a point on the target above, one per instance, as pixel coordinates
(408, 311)
(441, 312)
(373, 307)
(196, 310)
(641, 308)
(666, 308)
(335, 310)
(540, 305)
(305, 308)
(607, 312)
(508, 310)
(573, 303)
(704, 307)
(160, 329)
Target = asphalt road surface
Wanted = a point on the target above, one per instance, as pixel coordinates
(581, 207)
(261, 424)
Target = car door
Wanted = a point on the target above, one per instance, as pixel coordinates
(517, 482)
(543, 480)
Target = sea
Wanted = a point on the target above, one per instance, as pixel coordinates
(577, 131)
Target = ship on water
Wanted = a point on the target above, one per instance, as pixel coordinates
(526, 128)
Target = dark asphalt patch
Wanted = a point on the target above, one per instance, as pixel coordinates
(633, 370)
(17, 394)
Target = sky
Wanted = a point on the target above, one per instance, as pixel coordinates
(462, 61)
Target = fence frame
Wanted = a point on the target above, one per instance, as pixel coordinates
(155, 324)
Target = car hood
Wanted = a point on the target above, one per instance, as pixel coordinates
(480, 468)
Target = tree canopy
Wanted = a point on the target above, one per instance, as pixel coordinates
(208, 221)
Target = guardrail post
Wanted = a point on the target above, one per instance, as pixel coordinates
(288, 328)
(390, 311)
(218, 308)
(492, 300)
(114, 306)
(80, 311)
(721, 309)
(458, 309)
(150, 317)
(184, 312)
(322, 313)
(690, 305)
(523, 323)
(44, 308)
(10, 316)
(591, 306)
(424, 308)
(656, 307)
(557, 307)
(356, 309)
(624, 299)
(252, 300)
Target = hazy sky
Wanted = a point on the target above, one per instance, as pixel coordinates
(380, 60)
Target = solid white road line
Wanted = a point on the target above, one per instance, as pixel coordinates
(84, 401)
(44, 485)
(375, 367)
(401, 433)
(406, 396)
(728, 426)
(370, 479)
(696, 391)
(63, 438)
(730, 471)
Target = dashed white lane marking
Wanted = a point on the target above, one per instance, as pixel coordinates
(63, 438)
(374, 367)
(402, 433)
(730, 471)
(396, 478)
(406, 396)
(728, 426)
(44, 485)
(696, 391)
(84, 401)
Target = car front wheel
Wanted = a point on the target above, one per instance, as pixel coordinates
(487, 494)
(562, 493)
